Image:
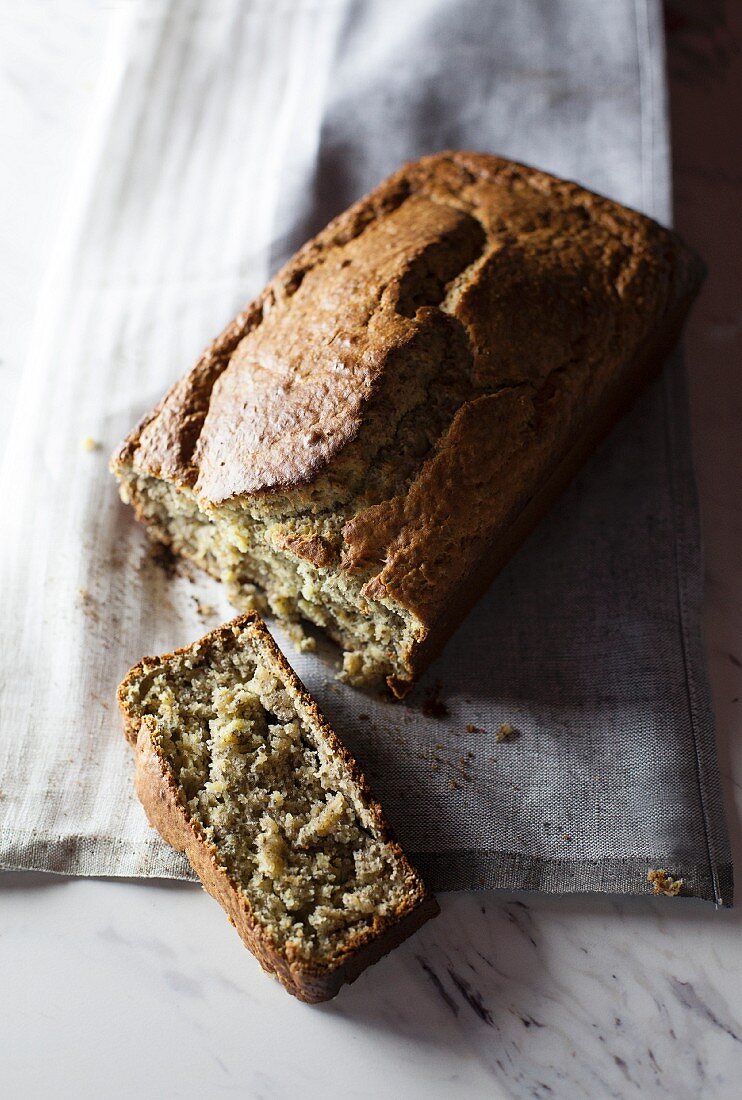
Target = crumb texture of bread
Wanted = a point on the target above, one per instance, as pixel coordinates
(359, 444)
(281, 809)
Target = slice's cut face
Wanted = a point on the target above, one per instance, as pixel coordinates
(286, 818)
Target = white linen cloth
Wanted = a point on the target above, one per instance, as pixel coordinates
(222, 135)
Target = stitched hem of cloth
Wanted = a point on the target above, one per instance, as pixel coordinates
(94, 857)
(481, 870)
(689, 574)
(688, 554)
(467, 869)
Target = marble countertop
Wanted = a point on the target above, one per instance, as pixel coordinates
(115, 988)
(121, 989)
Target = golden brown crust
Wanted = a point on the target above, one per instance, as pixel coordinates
(167, 812)
(540, 300)
(312, 548)
(504, 542)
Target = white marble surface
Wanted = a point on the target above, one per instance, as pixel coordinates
(115, 989)
(118, 989)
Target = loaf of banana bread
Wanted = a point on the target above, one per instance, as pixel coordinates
(237, 768)
(366, 444)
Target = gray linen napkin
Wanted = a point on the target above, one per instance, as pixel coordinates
(223, 134)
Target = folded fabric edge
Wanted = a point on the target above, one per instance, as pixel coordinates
(464, 869)
(487, 870)
(689, 578)
(93, 857)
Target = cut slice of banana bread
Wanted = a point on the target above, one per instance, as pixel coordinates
(374, 436)
(237, 768)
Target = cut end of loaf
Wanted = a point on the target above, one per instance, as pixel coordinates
(282, 562)
(273, 813)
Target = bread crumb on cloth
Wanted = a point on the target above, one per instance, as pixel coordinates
(662, 883)
(433, 705)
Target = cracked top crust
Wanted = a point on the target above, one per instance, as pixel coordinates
(425, 357)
